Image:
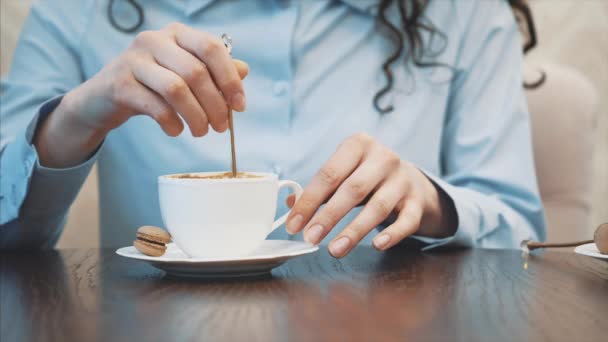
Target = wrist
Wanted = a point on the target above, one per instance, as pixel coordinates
(63, 139)
(69, 115)
(439, 219)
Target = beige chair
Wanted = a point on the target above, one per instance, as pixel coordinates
(563, 128)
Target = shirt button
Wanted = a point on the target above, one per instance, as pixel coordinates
(280, 88)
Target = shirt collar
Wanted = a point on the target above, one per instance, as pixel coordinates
(366, 6)
(193, 6)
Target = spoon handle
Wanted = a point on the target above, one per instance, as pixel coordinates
(228, 44)
(232, 148)
(535, 244)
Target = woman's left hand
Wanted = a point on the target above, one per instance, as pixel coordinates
(363, 169)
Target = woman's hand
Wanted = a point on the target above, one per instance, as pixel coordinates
(167, 74)
(361, 169)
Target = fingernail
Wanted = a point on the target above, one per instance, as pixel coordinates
(294, 225)
(313, 234)
(238, 101)
(338, 247)
(221, 128)
(381, 241)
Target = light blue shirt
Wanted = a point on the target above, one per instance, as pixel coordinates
(315, 67)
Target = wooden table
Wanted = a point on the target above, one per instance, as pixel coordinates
(460, 295)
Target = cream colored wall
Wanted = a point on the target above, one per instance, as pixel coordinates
(572, 32)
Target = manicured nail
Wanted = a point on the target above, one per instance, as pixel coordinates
(338, 247)
(313, 234)
(294, 224)
(381, 241)
(238, 102)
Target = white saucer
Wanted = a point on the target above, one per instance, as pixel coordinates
(270, 254)
(590, 249)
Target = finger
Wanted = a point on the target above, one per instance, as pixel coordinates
(350, 193)
(241, 67)
(344, 161)
(196, 75)
(407, 223)
(175, 91)
(290, 200)
(139, 99)
(379, 207)
(211, 51)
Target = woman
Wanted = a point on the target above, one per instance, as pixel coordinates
(435, 86)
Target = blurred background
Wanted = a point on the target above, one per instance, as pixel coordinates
(573, 44)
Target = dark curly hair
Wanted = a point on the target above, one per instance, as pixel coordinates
(412, 24)
(523, 14)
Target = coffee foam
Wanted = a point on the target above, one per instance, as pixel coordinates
(222, 175)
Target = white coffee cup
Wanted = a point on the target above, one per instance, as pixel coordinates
(221, 218)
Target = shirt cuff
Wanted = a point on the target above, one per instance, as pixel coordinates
(32, 188)
(468, 214)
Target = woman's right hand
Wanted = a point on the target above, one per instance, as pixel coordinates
(167, 74)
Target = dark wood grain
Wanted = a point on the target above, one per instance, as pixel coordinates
(461, 295)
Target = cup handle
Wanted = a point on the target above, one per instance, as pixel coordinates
(297, 189)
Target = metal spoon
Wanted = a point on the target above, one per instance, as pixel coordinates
(600, 237)
(228, 44)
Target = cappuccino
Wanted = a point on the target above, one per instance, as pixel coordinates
(215, 175)
(212, 215)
